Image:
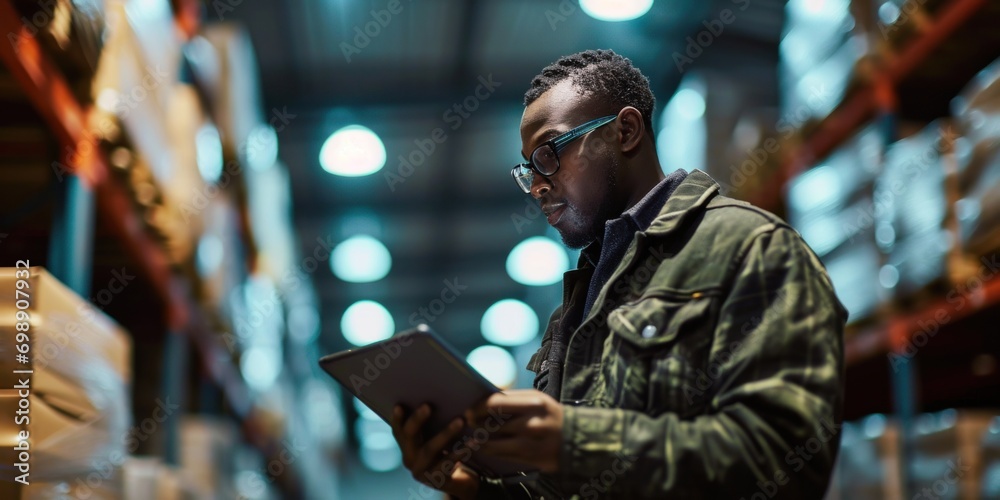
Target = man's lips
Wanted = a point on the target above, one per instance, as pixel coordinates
(553, 212)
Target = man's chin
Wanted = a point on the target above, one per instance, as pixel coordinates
(575, 240)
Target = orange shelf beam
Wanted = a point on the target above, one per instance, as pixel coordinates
(896, 331)
(863, 104)
(950, 18)
(49, 93)
(867, 342)
(942, 312)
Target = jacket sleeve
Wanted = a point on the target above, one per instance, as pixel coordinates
(773, 419)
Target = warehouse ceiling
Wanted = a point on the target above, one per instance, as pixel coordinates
(450, 217)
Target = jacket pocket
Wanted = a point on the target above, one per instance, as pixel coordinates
(653, 351)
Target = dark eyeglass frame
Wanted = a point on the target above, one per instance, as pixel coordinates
(557, 144)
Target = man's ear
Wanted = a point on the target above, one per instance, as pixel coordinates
(632, 128)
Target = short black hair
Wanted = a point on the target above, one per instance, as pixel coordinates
(603, 73)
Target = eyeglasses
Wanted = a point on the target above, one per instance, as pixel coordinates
(544, 159)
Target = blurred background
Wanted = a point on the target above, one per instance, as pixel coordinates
(211, 195)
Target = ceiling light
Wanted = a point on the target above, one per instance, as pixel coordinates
(509, 322)
(537, 261)
(494, 363)
(690, 104)
(683, 138)
(615, 10)
(365, 322)
(352, 151)
(361, 259)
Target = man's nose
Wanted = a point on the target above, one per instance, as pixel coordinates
(540, 186)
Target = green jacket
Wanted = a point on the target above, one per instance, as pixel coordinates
(710, 365)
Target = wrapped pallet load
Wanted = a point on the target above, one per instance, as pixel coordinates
(977, 152)
(911, 223)
(66, 370)
(832, 205)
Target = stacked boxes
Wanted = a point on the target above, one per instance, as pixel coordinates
(72, 387)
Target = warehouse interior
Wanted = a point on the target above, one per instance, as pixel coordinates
(208, 196)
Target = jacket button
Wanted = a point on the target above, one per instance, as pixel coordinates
(648, 332)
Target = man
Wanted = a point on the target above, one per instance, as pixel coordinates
(697, 352)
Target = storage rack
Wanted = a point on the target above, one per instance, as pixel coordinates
(91, 190)
(879, 101)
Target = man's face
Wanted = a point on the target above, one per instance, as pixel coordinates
(581, 196)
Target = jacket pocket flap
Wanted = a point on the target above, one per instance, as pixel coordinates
(657, 321)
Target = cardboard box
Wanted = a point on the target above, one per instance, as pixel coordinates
(72, 386)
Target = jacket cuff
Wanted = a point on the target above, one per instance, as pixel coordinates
(498, 489)
(592, 445)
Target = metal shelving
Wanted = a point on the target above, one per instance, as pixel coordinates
(92, 189)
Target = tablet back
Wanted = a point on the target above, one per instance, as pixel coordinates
(412, 368)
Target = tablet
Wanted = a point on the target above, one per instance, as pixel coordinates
(412, 368)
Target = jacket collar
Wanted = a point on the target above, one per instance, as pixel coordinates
(691, 197)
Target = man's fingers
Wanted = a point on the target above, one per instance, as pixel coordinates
(416, 421)
(446, 436)
(500, 408)
(514, 449)
(396, 421)
(431, 450)
(437, 474)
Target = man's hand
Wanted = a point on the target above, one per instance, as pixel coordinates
(524, 426)
(428, 461)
